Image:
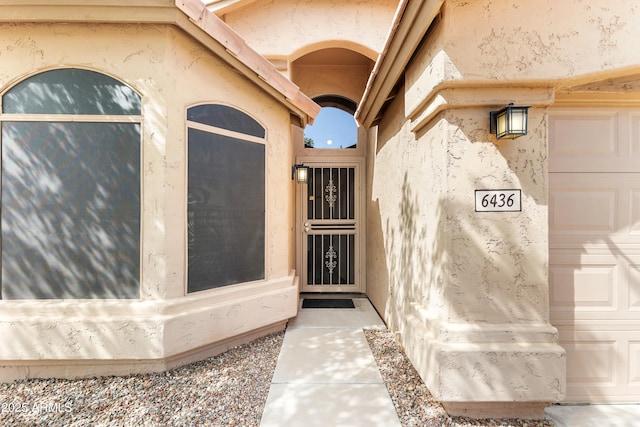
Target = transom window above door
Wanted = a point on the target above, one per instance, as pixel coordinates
(334, 128)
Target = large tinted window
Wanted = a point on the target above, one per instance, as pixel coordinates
(70, 188)
(226, 199)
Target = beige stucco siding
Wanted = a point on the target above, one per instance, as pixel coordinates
(497, 260)
(409, 208)
(545, 40)
(468, 291)
(171, 72)
(358, 25)
(544, 43)
(345, 80)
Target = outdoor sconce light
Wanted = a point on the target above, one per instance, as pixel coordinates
(510, 122)
(300, 172)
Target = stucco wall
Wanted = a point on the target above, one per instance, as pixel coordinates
(543, 40)
(265, 24)
(468, 291)
(171, 72)
(545, 43)
(344, 80)
(405, 215)
(286, 31)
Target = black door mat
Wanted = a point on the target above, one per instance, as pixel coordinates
(328, 303)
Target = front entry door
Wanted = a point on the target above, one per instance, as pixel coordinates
(330, 241)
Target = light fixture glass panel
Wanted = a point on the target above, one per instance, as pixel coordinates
(302, 174)
(519, 121)
(501, 121)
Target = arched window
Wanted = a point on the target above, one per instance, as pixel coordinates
(70, 187)
(334, 127)
(226, 197)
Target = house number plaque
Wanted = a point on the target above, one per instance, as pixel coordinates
(498, 201)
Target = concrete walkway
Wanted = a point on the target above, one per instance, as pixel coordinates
(326, 374)
(594, 415)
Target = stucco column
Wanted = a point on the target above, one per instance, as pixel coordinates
(481, 336)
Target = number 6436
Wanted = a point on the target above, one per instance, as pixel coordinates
(498, 201)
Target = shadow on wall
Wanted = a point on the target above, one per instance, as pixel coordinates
(459, 265)
(474, 262)
(411, 259)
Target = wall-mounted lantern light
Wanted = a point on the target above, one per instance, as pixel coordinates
(300, 173)
(510, 122)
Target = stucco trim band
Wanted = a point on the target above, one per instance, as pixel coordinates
(154, 334)
(461, 362)
(451, 96)
(20, 369)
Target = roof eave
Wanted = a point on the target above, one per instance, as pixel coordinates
(225, 42)
(222, 7)
(411, 22)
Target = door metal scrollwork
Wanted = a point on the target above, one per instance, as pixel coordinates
(331, 197)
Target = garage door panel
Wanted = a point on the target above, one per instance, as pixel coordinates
(594, 208)
(634, 363)
(595, 140)
(594, 249)
(633, 300)
(634, 119)
(593, 362)
(606, 358)
(579, 284)
(634, 226)
(585, 211)
(603, 365)
(587, 134)
(597, 283)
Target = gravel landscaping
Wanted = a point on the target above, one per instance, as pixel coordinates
(227, 390)
(414, 404)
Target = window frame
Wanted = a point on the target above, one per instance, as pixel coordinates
(83, 118)
(189, 124)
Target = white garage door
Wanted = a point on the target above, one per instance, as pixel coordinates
(594, 250)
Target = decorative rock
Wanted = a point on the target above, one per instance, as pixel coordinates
(227, 390)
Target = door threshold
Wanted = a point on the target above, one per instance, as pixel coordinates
(330, 295)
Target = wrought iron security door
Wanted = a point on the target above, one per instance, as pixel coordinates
(331, 244)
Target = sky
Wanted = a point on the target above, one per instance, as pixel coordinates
(333, 128)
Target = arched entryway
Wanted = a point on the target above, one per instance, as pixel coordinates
(330, 210)
(330, 240)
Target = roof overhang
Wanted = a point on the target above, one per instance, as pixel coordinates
(411, 22)
(222, 7)
(192, 16)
